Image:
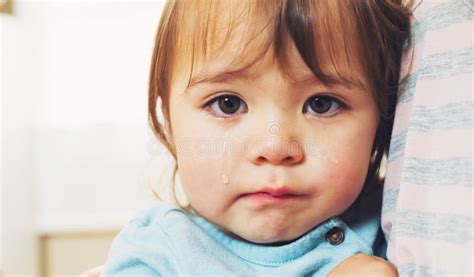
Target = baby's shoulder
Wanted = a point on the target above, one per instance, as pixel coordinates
(147, 227)
(144, 244)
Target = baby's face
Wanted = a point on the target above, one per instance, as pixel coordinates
(296, 152)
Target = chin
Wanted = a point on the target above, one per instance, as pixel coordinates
(271, 235)
(274, 240)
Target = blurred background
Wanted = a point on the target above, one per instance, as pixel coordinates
(77, 157)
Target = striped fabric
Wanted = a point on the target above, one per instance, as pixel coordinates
(427, 214)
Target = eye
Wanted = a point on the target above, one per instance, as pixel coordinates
(323, 106)
(226, 106)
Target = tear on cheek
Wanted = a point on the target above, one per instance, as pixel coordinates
(344, 170)
(334, 161)
(324, 152)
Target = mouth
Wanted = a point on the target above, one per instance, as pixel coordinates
(271, 195)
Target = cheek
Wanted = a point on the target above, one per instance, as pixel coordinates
(199, 153)
(352, 160)
(201, 178)
(346, 178)
(344, 166)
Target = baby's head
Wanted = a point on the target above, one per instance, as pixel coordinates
(277, 112)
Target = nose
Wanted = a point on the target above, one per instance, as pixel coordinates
(277, 149)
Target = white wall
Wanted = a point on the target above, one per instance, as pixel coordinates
(75, 141)
(18, 244)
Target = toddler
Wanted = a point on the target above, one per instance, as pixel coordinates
(278, 114)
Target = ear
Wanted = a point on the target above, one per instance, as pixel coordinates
(163, 129)
(169, 134)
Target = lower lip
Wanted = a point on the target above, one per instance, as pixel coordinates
(266, 197)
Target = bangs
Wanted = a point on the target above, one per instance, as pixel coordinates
(326, 36)
(236, 35)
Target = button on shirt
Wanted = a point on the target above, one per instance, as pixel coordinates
(335, 236)
(166, 240)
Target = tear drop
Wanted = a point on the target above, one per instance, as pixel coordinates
(225, 179)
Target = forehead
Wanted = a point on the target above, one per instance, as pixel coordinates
(232, 38)
(225, 69)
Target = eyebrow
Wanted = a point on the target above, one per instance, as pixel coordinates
(347, 83)
(221, 77)
(243, 75)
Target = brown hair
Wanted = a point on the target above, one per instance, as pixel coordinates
(332, 37)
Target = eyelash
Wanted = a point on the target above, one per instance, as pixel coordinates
(214, 100)
(334, 101)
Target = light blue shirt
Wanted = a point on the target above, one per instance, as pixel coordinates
(168, 241)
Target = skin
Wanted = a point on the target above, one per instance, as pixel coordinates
(272, 142)
(363, 265)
